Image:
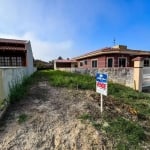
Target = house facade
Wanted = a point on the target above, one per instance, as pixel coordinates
(111, 57)
(65, 64)
(16, 62)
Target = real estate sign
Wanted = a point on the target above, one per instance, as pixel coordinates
(101, 83)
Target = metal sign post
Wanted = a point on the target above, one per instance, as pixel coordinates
(101, 86)
(101, 103)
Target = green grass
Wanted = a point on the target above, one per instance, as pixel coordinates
(71, 80)
(19, 90)
(138, 100)
(2, 104)
(126, 133)
(22, 118)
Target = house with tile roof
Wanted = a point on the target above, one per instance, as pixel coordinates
(111, 57)
(65, 64)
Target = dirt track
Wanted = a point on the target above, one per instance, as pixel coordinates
(52, 121)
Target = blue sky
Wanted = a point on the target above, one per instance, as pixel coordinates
(69, 28)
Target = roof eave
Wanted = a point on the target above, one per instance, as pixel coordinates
(113, 52)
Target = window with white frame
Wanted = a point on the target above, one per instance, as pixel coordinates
(19, 61)
(110, 62)
(2, 62)
(122, 61)
(10, 61)
(7, 61)
(94, 63)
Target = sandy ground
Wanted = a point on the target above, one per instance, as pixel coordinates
(52, 121)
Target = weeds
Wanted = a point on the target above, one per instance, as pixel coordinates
(19, 90)
(71, 80)
(125, 132)
(22, 118)
(2, 104)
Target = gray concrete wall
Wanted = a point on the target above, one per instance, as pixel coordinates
(30, 67)
(9, 77)
(118, 75)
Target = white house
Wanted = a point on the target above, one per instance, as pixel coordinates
(16, 62)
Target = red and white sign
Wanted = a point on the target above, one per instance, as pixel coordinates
(101, 83)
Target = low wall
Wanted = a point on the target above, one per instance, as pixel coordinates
(66, 69)
(9, 76)
(118, 75)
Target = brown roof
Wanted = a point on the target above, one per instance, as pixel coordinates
(138, 59)
(65, 61)
(12, 48)
(13, 41)
(113, 50)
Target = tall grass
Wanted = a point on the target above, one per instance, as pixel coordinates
(71, 80)
(19, 90)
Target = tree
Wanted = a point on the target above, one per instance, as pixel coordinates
(60, 58)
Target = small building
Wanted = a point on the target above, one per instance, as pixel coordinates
(65, 64)
(110, 57)
(16, 53)
(16, 63)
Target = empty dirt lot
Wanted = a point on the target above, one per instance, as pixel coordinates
(52, 121)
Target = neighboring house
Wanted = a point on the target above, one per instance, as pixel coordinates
(16, 53)
(65, 64)
(16, 62)
(41, 65)
(110, 57)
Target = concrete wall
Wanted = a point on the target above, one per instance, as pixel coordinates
(67, 69)
(9, 77)
(29, 59)
(118, 75)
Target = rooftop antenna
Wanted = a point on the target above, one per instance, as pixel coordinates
(114, 41)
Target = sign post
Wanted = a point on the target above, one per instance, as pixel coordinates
(101, 86)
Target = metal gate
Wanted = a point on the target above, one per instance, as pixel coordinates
(146, 77)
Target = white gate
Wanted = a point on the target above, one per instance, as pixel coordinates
(146, 77)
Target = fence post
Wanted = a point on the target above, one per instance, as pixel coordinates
(55, 66)
(138, 73)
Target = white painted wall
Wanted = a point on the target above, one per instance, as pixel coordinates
(29, 58)
(9, 77)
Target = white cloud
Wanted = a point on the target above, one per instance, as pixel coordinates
(45, 50)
